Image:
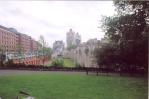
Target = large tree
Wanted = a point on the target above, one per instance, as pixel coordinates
(129, 29)
(107, 55)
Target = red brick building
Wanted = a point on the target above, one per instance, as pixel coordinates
(10, 39)
(34, 45)
(25, 42)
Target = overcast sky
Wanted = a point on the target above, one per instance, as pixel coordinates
(53, 19)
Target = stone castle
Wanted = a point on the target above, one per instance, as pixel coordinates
(83, 53)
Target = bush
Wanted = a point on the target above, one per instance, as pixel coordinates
(58, 62)
(9, 62)
(78, 65)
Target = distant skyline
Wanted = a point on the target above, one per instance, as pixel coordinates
(53, 19)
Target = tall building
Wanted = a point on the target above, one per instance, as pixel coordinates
(58, 47)
(77, 39)
(72, 38)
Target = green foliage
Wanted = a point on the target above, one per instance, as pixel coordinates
(78, 65)
(1, 56)
(107, 55)
(48, 51)
(128, 30)
(58, 62)
(71, 47)
(43, 49)
(69, 63)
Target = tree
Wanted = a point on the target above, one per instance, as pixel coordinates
(129, 29)
(20, 52)
(42, 48)
(140, 28)
(106, 55)
(48, 51)
(1, 56)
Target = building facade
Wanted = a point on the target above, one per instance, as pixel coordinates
(77, 39)
(34, 45)
(11, 40)
(8, 40)
(58, 48)
(72, 38)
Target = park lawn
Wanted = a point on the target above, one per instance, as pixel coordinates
(58, 85)
(69, 63)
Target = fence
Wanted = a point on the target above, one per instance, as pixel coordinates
(131, 71)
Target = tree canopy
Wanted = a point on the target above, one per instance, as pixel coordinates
(128, 34)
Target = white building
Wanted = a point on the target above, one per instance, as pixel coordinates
(58, 47)
(72, 38)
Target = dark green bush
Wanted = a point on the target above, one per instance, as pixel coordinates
(78, 65)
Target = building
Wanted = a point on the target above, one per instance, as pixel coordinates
(34, 45)
(24, 42)
(84, 53)
(72, 38)
(77, 39)
(58, 48)
(8, 40)
(11, 40)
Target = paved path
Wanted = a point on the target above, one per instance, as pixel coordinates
(27, 72)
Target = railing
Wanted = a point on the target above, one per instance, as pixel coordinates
(138, 71)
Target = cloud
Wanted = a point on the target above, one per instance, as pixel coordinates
(52, 19)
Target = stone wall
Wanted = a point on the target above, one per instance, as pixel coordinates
(83, 54)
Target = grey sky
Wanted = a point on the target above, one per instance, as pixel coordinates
(53, 19)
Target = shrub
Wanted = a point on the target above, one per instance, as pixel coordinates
(9, 62)
(78, 65)
(58, 62)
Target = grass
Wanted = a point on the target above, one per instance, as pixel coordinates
(73, 86)
(67, 63)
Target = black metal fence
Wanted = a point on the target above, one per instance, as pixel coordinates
(130, 71)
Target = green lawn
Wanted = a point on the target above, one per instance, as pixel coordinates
(56, 85)
(69, 63)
